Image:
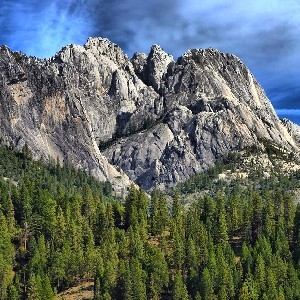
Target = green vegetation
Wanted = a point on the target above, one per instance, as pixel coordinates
(18, 56)
(58, 227)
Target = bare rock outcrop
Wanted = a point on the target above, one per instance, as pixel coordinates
(212, 106)
(293, 129)
(156, 120)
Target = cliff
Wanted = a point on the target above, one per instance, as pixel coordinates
(155, 120)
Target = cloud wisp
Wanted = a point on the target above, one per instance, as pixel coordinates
(41, 28)
(264, 34)
(291, 114)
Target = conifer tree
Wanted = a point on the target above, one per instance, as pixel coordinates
(246, 259)
(128, 284)
(34, 288)
(6, 257)
(177, 247)
(47, 292)
(245, 293)
(268, 215)
(131, 205)
(159, 217)
(221, 230)
(207, 285)
(138, 280)
(260, 274)
(157, 269)
(198, 296)
(271, 290)
(13, 293)
(179, 291)
(89, 205)
(39, 260)
(256, 226)
(10, 216)
(97, 289)
(59, 231)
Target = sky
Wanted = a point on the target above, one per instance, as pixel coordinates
(264, 34)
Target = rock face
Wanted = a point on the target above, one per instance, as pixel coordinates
(157, 120)
(211, 105)
(293, 129)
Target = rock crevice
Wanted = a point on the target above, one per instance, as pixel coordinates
(158, 120)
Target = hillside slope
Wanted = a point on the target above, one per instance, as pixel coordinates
(212, 106)
(157, 120)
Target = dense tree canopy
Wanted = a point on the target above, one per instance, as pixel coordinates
(60, 227)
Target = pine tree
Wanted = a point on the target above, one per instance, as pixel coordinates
(268, 216)
(207, 285)
(47, 292)
(296, 233)
(39, 260)
(34, 288)
(281, 295)
(256, 226)
(211, 264)
(178, 253)
(197, 296)
(131, 204)
(142, 208)
(136, 245)
(59, 231)
(233, 214)
(176, 208)
(159, 217)
(209, 213)
(25, 202)
(260, 273)
(289, 214)
(128, 284)
(109, 251)
(271, 291)
(157, 271)
(89, 252)
(245, 293)
(10, 216)
(179, 291)
(192, 259)
(225, 279)
(222, 233)
(89, 205)
(246, 259)
(6, 257)
(13, 293)
(97, 289)
(138, 280)
(221, 230)
(58, 268)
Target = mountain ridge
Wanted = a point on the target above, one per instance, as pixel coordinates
(162, 120)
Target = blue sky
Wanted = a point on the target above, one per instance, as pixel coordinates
(264, 34)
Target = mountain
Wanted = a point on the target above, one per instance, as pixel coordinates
(150, 119)
(293, 130)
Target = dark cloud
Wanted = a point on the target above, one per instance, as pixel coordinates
(134, 25)
(291, 114)
(268, 44)
(285, 96)
(266, 36)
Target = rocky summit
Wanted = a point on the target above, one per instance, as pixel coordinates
(149, 119)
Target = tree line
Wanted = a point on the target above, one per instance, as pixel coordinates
(60, 227)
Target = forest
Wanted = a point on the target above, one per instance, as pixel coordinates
(237, 239)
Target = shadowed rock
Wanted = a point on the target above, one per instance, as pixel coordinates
(157, 120)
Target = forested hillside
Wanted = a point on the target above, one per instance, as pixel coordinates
(207, 239)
